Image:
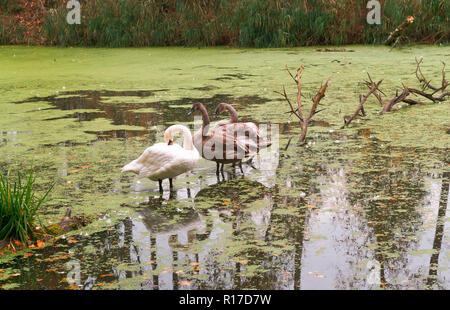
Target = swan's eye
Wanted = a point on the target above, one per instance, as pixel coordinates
(170, 142)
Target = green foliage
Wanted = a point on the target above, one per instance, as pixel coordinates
(18, 207)
(3, 35)
(10, 6)
(272, 23)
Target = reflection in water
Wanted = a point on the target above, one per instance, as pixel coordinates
(342, 218)
(439, 234)
(237, 233)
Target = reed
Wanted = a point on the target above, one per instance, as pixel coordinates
(246, 23)
(18, 207)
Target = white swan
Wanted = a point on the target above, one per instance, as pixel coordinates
(166, 160)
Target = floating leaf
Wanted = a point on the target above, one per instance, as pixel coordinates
(186, 283)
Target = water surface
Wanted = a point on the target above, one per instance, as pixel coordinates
(364, 207)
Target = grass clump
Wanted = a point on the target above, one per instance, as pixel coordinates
(18, 207)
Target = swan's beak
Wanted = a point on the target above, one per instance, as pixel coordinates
(170, 142)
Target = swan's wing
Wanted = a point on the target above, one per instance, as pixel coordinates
(164, 161)
(229, 146)
(221, 123)
(249, 134)
(154, 159)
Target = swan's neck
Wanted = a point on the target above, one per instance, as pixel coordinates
(175, 129)
(187, 142)
(206, 120)
(234, 116)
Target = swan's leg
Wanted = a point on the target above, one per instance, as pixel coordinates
(217, 168)
(160, 186)
(188, 191)
(240, 166)
(221, 168)
(171, 184)
(250, 161)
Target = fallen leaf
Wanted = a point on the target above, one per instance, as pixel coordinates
(26, 255)
(186, 283)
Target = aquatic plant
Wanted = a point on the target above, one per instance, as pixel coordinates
(18, 207)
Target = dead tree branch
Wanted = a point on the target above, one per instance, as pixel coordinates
(426, 84)
(397, 33)
(421, 77)
(403, 96)
(398, 98)
(373, 89)
(442, 97)
(299, 111)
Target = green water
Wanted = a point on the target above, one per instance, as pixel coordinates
(357, 208)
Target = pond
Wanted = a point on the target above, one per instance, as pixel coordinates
(365, 207)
